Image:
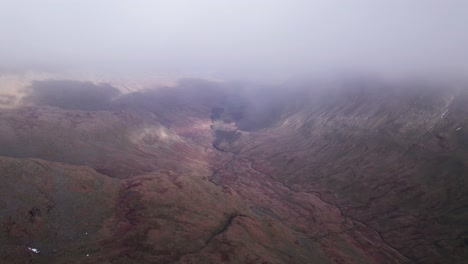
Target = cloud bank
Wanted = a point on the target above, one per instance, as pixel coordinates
(235, 39)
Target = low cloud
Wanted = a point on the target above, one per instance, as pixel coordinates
(267, 40)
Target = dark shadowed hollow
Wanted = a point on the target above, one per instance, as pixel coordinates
(69, 94)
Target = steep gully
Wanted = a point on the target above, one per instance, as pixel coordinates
(223, 228)
(235, 156)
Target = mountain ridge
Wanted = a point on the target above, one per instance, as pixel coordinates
(214, 172)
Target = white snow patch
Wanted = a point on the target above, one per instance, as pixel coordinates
(443, 115)
(35, 250)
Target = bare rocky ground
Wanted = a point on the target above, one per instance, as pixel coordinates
(210, 173)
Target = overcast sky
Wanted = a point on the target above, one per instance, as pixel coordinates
(235, 38)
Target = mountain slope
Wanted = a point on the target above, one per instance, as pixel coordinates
(393, 161)
(364, 172)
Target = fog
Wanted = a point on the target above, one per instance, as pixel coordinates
(235, 39)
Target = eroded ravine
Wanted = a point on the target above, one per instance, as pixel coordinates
(236, 157)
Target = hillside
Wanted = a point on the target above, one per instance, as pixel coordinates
(360, 171)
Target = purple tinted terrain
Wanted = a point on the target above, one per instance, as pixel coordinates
(210, 173)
